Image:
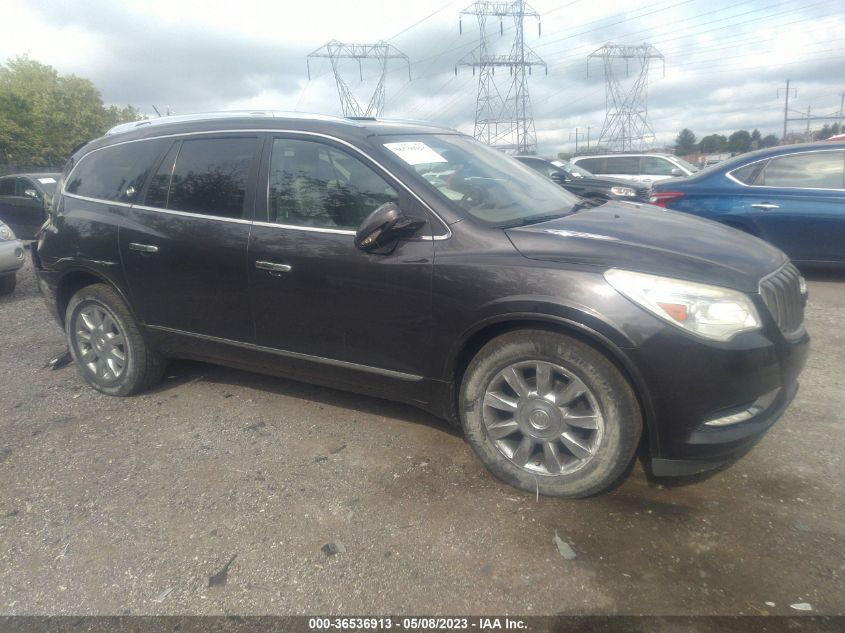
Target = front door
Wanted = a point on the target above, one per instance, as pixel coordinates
(184, 244)
(24, 213)
(317, 297)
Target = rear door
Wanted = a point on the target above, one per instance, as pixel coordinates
(624, 167)
(797, 202)
(314, 294)
(184, 244)
(654, 169)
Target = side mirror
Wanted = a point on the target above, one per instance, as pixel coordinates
(381, 231)
(559, 177)
(31, 193)
(676, 172)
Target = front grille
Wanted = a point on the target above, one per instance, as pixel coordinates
(782, 294)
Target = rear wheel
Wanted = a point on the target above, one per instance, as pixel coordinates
(106, 344)
(8, 283)
(549, 413)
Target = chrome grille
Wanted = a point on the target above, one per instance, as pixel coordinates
(782, 294)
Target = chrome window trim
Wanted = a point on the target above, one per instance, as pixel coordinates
(115, 203)
(729, 174)
(390, 373)
(425, 205)
(313, 229)
(191, 214)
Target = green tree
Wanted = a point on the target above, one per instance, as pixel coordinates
(685, 143)
(713, 144)
(770, 140)
(739, 142)
(43, 115)
(756, 137)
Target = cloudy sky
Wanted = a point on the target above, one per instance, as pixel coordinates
(726, 62)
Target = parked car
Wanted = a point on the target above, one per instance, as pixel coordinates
(314, 248)
(11, 259)
(639, 168)
(582, 183)
(24, 200)
(791, 196)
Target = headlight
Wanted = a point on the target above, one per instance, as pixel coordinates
(712, 312)
(622, 191)
(6, 233)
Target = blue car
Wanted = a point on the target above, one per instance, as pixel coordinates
(791, 196)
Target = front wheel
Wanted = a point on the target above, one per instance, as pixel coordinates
(547, 412)
(107, 345)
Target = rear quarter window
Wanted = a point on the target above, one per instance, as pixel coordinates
(113, 172)
(815, 170)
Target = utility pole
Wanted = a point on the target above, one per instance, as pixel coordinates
(380, 51)
(626, 117)
(786, 108)
(503, 119)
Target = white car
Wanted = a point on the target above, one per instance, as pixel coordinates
(11, 259)
(641, 168)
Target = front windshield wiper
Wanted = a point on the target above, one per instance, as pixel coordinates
(586, 203)
(532, 219)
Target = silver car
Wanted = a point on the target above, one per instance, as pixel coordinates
(11, 259)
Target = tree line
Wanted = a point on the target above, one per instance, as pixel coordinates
(738, 142)
(44, 115)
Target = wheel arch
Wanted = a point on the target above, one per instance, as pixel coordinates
(486, 332)
(76, 279)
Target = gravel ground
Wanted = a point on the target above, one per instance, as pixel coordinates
(119, 506)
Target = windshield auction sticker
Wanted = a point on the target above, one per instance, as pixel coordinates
(46, 181)
(415, 153)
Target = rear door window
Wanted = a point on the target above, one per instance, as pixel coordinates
(816, 170)
(210, 176)
(115, 173)
(629, 165)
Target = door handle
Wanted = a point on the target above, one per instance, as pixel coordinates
(765, 206)
(143, 248)
(273, 267)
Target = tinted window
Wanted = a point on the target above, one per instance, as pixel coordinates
(592, 165)
(820, 170)
(108, 173)
(540, 165)
(312, 184)
(621, 165)
(210, 176)
(7, 186)
(656, 166)
(160, 182)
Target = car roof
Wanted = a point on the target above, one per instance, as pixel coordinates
(277, 119)
(663, 154)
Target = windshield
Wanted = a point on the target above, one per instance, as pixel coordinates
(692, 168)
(480, 181)
(574, 170)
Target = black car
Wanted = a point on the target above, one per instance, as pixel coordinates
(416, 264)
(24, 199)
(582, 183)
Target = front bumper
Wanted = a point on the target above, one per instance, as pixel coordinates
(11, 256)
(706, 396)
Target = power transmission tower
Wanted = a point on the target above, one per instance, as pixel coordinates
(380, 51)
(626, 123)
(503, 120)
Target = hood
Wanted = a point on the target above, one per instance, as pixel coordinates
(650, 239)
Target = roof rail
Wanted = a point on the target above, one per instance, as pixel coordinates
(233, 114)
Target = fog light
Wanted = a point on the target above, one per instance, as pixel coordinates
(19, 253)
(758, 406)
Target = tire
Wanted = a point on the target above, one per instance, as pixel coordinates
(546, 444)
(8, 283)
(100, 330)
